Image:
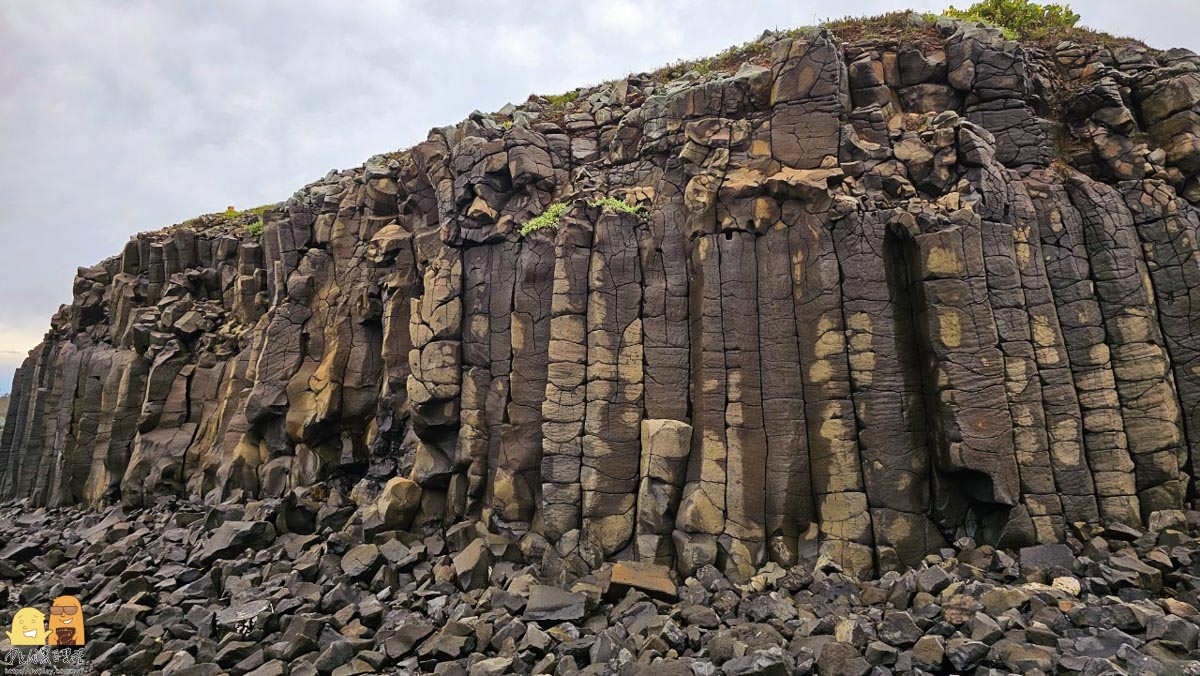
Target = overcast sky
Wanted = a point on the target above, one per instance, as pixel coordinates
(119, 117)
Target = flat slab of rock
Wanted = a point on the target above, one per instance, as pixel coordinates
(233, 537)
(1046, 557)
(651, 578)
(548, 603)
(361, 561)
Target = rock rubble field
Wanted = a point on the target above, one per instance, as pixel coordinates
(269, 588)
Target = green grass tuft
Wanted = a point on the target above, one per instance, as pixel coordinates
(620, 206)
(547, 219)
(561, 100)
(249, 219)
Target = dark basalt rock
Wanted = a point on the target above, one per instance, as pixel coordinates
(914, 311)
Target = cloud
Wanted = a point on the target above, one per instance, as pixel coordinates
(122, 116)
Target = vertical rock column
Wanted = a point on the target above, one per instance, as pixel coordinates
(789, 507)
(970, 427)
(27, 438)
(391, 250)
(742, 542)
(435, 364)
(1149, 404)
(63, 423)
(436, 328)
(10, 442)
(612, 427)
(121, 400)
(665, 303)
(701, 514)
(502, 277)
(664, 452)
(156, 463)
(471, 454)
(518, 480)
(667, 432)
(1069, 274)
(75, 463)
(1062, 417)
(1039, 490)
(565, 404)
(437, 335)
(8, 458)
(839, 492)
(886, 378)
(1169, 228)
(810, 96)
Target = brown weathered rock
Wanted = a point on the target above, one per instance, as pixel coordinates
(834, 309)
(647, 577)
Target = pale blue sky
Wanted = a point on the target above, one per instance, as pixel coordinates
(118, 117)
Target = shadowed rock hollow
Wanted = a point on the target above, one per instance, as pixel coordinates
(875, 296)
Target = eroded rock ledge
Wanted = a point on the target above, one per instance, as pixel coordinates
(882, 296)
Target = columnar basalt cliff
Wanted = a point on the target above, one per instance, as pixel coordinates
(867, 297)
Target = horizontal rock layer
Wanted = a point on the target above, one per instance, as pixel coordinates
(867, 298)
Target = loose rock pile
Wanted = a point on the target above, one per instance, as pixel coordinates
(234, 589)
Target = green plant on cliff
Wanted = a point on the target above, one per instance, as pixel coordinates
(251, 220)
(547, 219)
(1022, 17)
(561, 100)
(619, 206)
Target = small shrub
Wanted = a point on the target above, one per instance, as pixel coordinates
(1020, 17)
(547, 219)
(507, 124)
(561, 100)
(617, 205)
(255, 229)
(260, 210)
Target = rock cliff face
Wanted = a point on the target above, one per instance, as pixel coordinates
(868, 297)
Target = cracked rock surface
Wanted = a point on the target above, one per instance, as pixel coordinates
(868, 299)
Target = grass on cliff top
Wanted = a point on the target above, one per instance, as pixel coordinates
(1043, 26)
(249, 219)
(1027, 22)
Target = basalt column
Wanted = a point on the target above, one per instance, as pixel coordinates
(611, 444)
(887, 382)
(970, 425)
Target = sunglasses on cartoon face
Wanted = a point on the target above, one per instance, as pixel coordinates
(63, 610)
